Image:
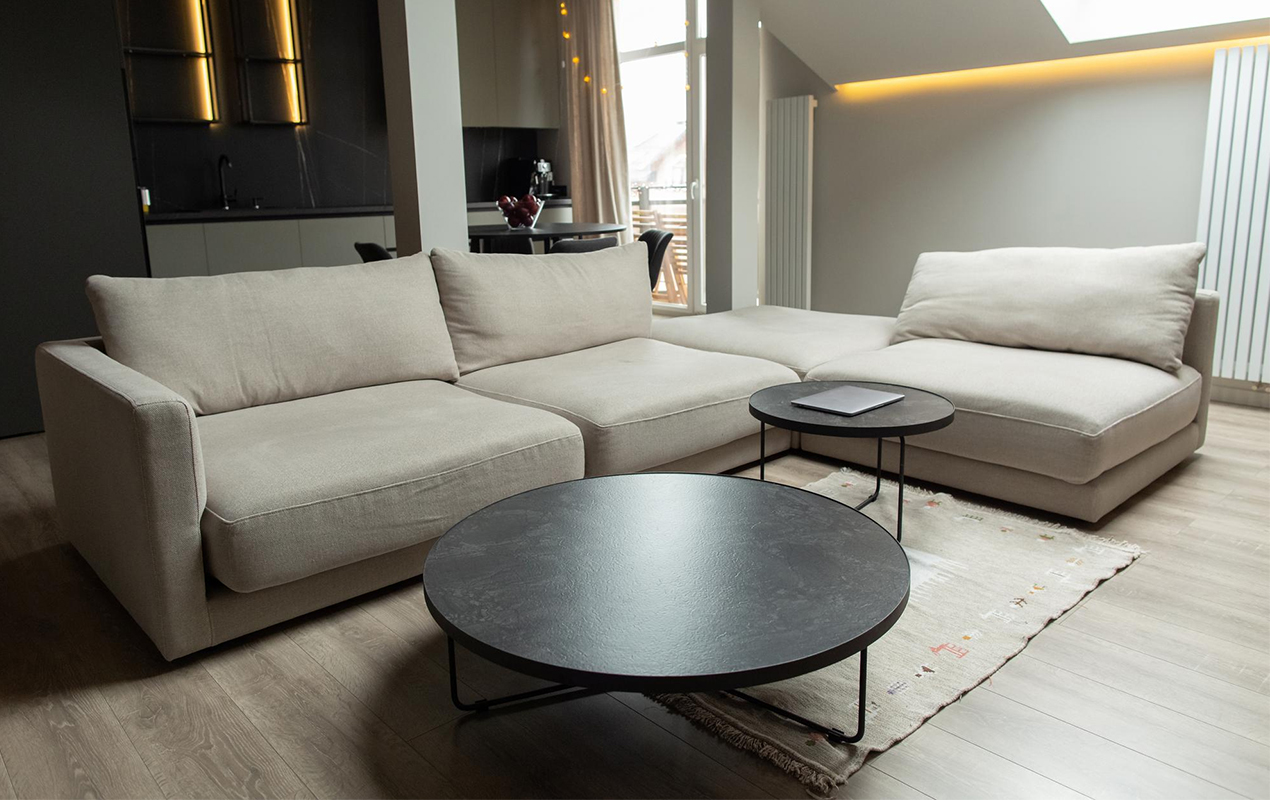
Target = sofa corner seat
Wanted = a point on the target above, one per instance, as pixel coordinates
(640, 403)
(793, 337)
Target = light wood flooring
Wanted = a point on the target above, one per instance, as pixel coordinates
(1158, 685)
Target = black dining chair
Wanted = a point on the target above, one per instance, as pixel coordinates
(657, 242)
(583, 245)
(370, 251)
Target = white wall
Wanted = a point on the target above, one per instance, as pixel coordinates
(1111, 160)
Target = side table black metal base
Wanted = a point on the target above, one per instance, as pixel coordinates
(877, 486)
(834, 735)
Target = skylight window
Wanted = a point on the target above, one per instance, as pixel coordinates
(1092, 20)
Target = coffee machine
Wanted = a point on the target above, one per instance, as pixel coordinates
(518, 176)
(540, 177)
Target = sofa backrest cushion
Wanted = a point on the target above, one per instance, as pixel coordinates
(232, 341)
(1132, 303)
(503, 308)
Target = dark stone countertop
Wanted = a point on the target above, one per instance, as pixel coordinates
(248, 214)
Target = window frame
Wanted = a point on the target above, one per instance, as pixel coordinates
(694, 45)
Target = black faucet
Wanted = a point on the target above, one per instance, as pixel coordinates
(220, 172)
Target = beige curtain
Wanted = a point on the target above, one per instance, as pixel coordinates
(593, 114)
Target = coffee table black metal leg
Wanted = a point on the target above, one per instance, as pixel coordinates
(834, 735)
(481, 705)
(899, 512)
(762, 451)
(877, 486)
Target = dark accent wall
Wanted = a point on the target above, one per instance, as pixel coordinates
(68, 202)
(340, 158)
(485, 149)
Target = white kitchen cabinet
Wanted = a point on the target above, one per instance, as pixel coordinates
(176, 251)
(328, 241)
(509, 63)
(215, 248)
(527, 63)
(252, 245)
(478, 79)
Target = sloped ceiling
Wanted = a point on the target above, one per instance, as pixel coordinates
(860, 40)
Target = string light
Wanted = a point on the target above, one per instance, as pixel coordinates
(586, 79)
(603, 90)
(566, 34)
(564, 12)
(575, 59)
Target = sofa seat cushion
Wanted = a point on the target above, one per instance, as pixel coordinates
(297, 488)
(795, 337)
(1066, 415)
(640, 403)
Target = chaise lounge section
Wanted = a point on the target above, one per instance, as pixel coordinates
(1039, 422)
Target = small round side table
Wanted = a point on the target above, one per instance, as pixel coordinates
(919, 412)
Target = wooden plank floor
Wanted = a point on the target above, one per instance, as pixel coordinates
(1157, 685)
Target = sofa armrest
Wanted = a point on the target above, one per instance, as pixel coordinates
(1197, 352)
(128, 480)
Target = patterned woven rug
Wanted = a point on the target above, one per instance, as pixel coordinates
(984, 582)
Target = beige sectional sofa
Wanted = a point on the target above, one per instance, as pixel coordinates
(237, 450)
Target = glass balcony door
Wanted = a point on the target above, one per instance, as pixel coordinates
(662, 50)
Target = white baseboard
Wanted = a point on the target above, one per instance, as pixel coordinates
(1243, 393)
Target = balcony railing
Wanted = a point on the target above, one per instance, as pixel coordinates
(665, 208)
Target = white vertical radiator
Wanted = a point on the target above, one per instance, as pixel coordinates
(788, 201)
(1232, 211)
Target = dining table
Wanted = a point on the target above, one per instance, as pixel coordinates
(481, 237)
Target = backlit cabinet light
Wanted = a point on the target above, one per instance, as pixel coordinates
(270, 62)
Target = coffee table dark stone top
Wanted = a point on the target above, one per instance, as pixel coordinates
(919, 412)
(666, 582)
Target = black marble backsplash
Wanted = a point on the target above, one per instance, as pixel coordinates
(484, 149)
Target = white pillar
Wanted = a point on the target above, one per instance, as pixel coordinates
(732, 155)
(420, 48)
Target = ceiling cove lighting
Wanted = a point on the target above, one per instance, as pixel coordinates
(1128, 63)
(1095, 20)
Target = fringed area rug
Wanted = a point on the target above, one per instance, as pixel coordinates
(984, 582)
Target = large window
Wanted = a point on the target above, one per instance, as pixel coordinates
(662, 49)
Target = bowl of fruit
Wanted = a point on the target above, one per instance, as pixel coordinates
(522, 213)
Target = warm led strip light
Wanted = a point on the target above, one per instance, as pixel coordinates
(287, 16)
(197, 19)
(1035, 72)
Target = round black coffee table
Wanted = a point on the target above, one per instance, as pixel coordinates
(666, 582)
(919, 412)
